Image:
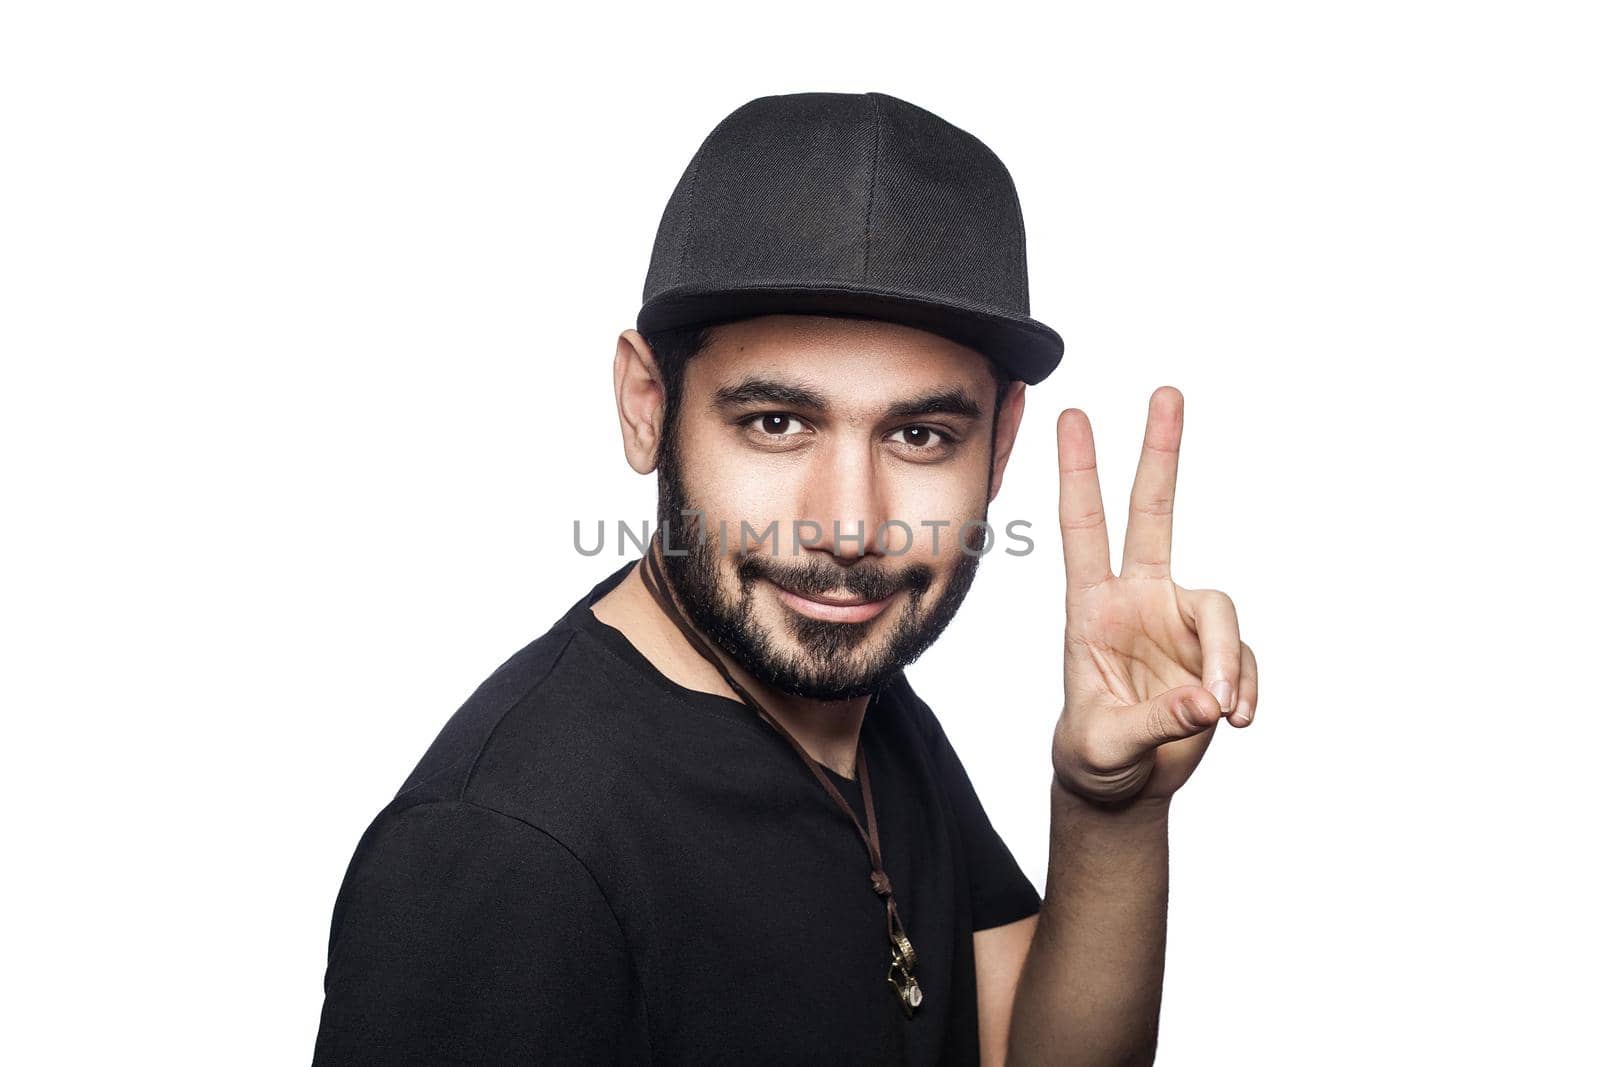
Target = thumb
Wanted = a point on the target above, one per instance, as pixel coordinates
(1178, 713)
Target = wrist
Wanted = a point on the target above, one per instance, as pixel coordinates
(1138, 812)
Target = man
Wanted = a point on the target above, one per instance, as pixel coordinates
(704, 818)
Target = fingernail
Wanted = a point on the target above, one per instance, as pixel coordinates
(1246, 712)
(1224, 694)
(1193, 712)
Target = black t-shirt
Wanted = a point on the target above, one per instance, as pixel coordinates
(594, 864)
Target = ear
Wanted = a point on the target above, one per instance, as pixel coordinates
(1005, 435)
(641, 400)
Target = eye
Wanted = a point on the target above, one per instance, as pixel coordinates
(775, 424)
(919, 437)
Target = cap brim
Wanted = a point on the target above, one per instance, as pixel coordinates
(1025, 348)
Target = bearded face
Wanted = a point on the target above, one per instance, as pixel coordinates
(814, 492)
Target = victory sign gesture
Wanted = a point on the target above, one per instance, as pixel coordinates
(1151, 667)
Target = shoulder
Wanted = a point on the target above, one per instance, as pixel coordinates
(438, 853)
(920, 729)
(914, 713)
(516, 775)
(556, 737)
(460, 929)
(450, 764)
(446, 770)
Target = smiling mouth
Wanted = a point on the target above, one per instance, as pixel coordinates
(833, 607)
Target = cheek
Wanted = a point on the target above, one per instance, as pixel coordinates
(737, 487)
(933, 503)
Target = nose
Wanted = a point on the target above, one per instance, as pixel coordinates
(846, 498)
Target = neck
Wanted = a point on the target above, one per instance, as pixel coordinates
(827, 730)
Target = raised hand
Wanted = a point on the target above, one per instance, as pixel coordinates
(1151, 667)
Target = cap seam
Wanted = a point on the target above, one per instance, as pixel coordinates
(688, 220)
(872, 186)
(692, 193)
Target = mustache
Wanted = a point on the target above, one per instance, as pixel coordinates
(867, 581)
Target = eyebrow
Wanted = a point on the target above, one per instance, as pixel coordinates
(944, 402)
(767, 391)
(954, 401)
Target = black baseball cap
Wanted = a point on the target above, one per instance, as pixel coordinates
(854, 204)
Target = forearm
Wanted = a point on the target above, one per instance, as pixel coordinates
(1090, 990)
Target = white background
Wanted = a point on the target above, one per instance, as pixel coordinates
(307, 318)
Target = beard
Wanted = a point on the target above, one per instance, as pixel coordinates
(834, 660)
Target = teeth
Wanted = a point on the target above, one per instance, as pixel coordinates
(834, 600)
(838, 600)
(841, 601)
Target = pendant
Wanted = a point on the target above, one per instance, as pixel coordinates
(901, 980)
(909, 992)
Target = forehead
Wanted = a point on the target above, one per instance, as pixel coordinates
(857, 365)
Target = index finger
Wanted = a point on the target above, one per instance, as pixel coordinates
(1083, 517)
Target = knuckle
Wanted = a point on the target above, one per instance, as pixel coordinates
(1155, 724)
(1088, 520)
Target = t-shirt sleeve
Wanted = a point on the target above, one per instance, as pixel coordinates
(462, 935)
(1000, 892)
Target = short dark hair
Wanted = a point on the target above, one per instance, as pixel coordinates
(674, 349)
